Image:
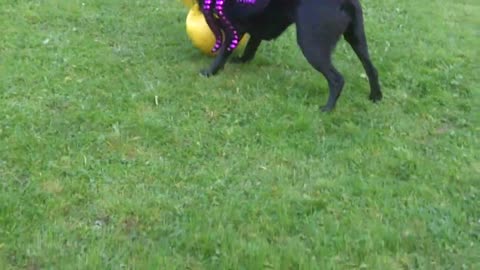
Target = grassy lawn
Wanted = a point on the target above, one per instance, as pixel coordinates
(239, 171)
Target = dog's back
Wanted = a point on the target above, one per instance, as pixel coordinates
(272, 21)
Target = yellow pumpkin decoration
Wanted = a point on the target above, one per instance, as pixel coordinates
(201, 35)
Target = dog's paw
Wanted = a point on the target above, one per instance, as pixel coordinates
(326, 108)
(376, 97)
(206, 73)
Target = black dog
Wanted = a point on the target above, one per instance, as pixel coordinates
(319, 23)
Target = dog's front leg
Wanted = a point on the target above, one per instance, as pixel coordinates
(249, 52)
(218, 63)
(232, 39)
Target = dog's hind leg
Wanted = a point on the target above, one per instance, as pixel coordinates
(355, 36)
(320, 58)
(317, 39)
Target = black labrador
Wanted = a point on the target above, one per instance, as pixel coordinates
(319, 24)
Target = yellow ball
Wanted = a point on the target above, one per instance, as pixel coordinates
(201, 35)
(189, 3)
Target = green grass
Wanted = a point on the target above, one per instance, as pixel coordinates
(239, 171)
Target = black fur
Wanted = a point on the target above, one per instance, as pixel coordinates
(319, 23)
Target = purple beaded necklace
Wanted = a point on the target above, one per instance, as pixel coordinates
(217, 7)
